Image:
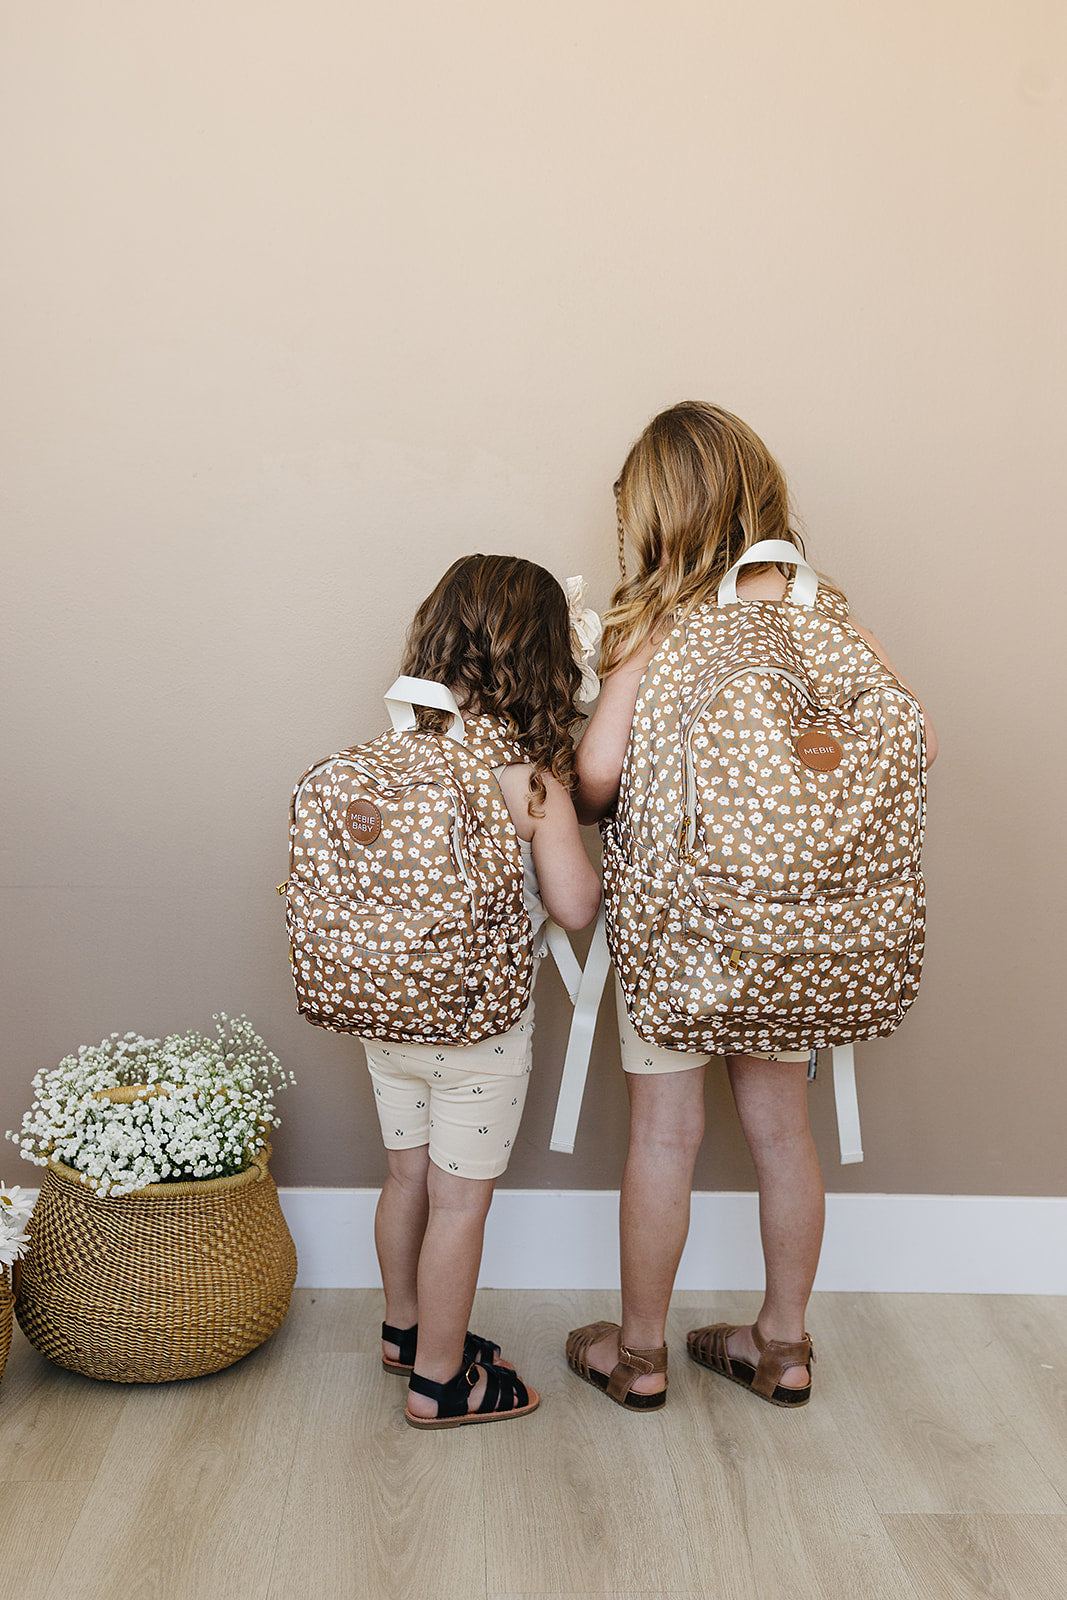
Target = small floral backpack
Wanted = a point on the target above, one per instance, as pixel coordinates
(404, 901)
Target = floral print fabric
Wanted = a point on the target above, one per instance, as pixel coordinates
(754, 901)
(416, 931)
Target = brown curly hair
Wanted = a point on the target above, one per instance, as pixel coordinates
(497, 631)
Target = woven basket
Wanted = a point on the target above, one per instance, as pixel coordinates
(172, 1281)
(7, 1306)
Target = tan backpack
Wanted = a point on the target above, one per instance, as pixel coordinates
(404, 900)
(761, 869)
(762, 865)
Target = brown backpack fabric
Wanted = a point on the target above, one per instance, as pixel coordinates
(404, 901)
(761, 869)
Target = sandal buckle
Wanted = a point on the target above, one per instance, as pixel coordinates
(636, 1363)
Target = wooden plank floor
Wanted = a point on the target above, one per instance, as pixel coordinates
(931, 1465)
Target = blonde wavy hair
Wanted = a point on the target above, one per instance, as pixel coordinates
(696, 490)
(497, 631)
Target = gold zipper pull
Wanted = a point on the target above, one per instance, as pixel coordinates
(283, 886)
(735, 957)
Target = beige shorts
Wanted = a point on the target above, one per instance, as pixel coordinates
(639, 1056)
(464, 1101)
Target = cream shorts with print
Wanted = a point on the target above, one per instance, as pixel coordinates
(464, 1101)
(638, 1056)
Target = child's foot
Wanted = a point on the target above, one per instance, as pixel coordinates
(742, 1345)
(637, 1381)
(399, 1345)
(776, 1370)
(476, 1394)
(604, 1356)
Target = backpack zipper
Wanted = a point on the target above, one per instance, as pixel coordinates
(689, 768)
(457, 830)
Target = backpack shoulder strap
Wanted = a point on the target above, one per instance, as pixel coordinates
(586, 996)
(848, 1110)
(805, 583)
(405, 694)
(486, 738)
(580, 1040)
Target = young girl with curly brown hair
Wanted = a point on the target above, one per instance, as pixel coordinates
(497, 631)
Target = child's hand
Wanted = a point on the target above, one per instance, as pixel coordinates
(568, 881)
(931, 736)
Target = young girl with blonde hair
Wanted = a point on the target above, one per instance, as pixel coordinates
(497, 631)
(696, 491)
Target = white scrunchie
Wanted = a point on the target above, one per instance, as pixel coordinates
(586, 629)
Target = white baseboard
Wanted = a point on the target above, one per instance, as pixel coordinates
(551, 1239)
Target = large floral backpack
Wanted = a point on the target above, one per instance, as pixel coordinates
(761, 869)
(404, 900)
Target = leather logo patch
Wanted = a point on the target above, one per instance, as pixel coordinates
(363, 821)
(819, 751)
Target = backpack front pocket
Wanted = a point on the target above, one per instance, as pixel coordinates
(380, 971)
(409, 975)
(800, 974)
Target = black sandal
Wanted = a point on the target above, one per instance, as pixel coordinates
(482, 1351)
(505, 1397)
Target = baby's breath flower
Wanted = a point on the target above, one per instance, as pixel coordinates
(202, 1115)
(15, 1208)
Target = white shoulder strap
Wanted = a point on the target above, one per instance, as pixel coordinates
(848, 1108)
(586, 986)
(407, 693)
(567, 963)
(580, 1041)
(802, 590)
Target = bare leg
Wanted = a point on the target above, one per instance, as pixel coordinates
(447, 1278)
(399, 1226)
(666, 1128)
(772, 1104)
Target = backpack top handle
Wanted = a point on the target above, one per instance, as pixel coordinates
(405, 694)
(802, 590)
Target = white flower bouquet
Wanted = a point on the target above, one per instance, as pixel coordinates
(131, 1111)
(15, 1208)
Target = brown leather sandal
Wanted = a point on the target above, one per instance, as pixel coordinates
(707, 1347)
(632, 1364)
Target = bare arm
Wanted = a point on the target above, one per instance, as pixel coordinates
(569, 883)
(599, 757)
(931, 736)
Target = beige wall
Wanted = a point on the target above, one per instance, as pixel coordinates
(304, 300)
